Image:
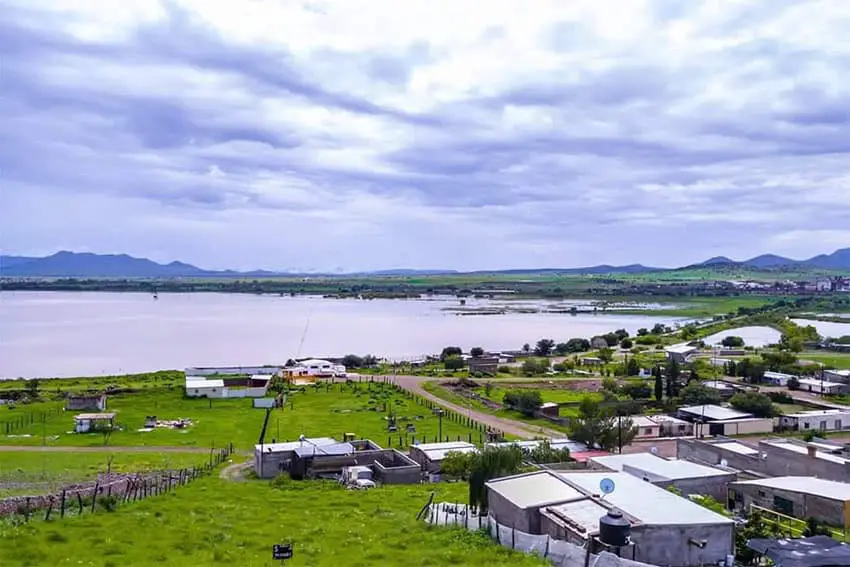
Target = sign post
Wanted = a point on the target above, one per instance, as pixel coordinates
(282, 552)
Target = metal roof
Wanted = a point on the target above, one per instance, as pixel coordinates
(657, 467)
(816, 382)
(534, 490)
(803, 450)
(683, 348)
(818, 413)
(643, 421)
(292, 445)
(335, 449)
(218, 383)
(646, 502)
(829, 489)
(667, 419)
(715, 413)
(817, 551)
(110, 415)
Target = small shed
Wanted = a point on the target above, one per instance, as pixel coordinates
(90, 422)
(488, 364)
(92, 402)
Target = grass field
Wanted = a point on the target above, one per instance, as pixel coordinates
(314, 413)
(833, 359)
(327, 525)
(35, 472)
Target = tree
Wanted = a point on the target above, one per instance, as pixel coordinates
(535, 366)
(544, 347)
(673, 372)
(636, 390)
(732, 341)
(526, 347)
(476, 352)
(456, 464)
(697, 394)
(627, 344)
(450, 351)
(544, 453)
(642, 332)
(352, 361)
(659, 329)
(577, 345)
(816, 528)
(757, 404)
(688, 332)
(606, 355)
(659, 383)
(610, 385)
(621, 334)
(596, 427)
(369, 361)
(453, 363)
(612, 339)
(492, 462)
(527, 402)
(32, 387)
(632, 367)
(793, 383)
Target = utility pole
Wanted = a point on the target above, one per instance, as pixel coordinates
(440, 426)
(620, 430)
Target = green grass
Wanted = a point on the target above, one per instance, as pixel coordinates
(150, 380)
(213, 522)
(314, 412)
(41, 471)
(837, 360)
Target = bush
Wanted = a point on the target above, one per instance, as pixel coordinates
(757, 404)
(453, 363)
(527, 402)
(732, 341)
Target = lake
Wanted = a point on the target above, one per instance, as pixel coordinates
(753, 336)
(826, 328)
(62, 334)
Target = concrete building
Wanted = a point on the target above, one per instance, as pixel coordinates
(777, 378)
(724, 389)
(821, 420)
(717, 420)
(771, 457)
(488, 364)
(665, 529)
(688, 477)
(680, 353)
(670, 426)
(228, 386)
(647, 428)
(430, 455)
(94, 402)
(200, 387)
(841, 376)
(91, 422)
(796, 496)
(824, 387)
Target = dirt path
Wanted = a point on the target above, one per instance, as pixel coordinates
(512, 427)
(105, 449)
(235, 472)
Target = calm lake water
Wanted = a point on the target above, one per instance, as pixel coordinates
(753, 336)
(84, 334)
(826, 328)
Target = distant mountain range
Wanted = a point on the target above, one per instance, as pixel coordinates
(86, 265)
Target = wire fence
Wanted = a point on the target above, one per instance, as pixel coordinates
(21, 421)
(558, 552)
(107, 492)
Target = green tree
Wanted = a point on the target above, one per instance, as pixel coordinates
(598, 427)
(476, 352)
(450, 351)
(610, 385)
(457, 464)
(673, 371)
(535, 366)
(544, 347)
(525, 401)
(576, 345)
(526, 347)
(732, 341)
(697, 394)
(632, 367)
(453, 363)
(492, 462)
(793, 383)
(606, 354)
(627, 344)
(636, 390)
(755, 403)
(642, 332)
(659, 383)
(544, 453)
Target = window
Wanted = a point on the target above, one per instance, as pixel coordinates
(647, 431)
(823, 425)
(783, 505)
(762, 494)
(837, 424)
(806, 425)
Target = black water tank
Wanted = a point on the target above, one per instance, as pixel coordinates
(614, 530)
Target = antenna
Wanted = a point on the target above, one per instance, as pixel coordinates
(654, 451)
(304, 334)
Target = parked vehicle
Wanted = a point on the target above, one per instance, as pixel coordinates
(357, 478)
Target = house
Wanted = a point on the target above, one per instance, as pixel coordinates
(200, 387)
(800, 497)
(271, 459)
(91, 422)
(680, 353)
(316, 368)
(841, 376)
(487, 364)
(822, 386)
(821, 420)
(591, 361)
(688, 477)
(718, 420)
(666, 529)
(670, 426)
(647, 428)
(777, 378)
(724, 389)
(94, 402)
(430, 455)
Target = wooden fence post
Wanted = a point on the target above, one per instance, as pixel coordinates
(94, 496)
(80, 501)
(62, 505)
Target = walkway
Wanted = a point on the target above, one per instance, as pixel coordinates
(514, 427)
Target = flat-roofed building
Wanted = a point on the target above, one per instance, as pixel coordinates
(800, 497)
(670, 426)
(817, 420)
(824, 387)
(680, 353)
(430, 455)
(842, 376)
(647, 428)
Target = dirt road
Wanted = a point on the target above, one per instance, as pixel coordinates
(510, 426)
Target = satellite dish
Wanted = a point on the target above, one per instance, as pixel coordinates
(654, 451)
(606, 486)
(724, 463)
(764, 456)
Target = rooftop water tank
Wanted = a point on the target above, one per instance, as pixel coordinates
(614, 530)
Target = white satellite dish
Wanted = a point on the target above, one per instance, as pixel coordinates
(724, 463)
(764, 456)
(654, 451)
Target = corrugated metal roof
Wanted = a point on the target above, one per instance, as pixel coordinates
(643, 421)
(683, 348)
(292, 445)
(647, 502)
(534, 490)
(715, 413)
(658, 467)
(814, 486)
(335, 449)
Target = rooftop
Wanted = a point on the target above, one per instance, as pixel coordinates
(801, 449)
(643, 421)
(572, 446)
(110, 415)
(535, 489)
(663, 469)
(718, 385)
(811, 485)
(683, 348)
(845, 373)
(816, 382)
(805, 552)
(335, 449)
(292, 445)
(644, 501)
(817, 413)
(667, 419)
(438, 451)
(715, 413)
(735, 447)
(585, 513)
(200, 382)
(770, 374)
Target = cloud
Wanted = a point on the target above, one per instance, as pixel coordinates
(373, 134)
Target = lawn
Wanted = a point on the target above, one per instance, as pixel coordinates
(35, 472)
(313, 412)
(327, 525)
(833, 359)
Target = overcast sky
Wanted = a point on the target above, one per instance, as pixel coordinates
(349, 135)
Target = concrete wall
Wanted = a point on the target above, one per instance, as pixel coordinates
(708, 453)
(748, 427)
(93, 403)
(209, 371)
(206, 392)
(507, 513)
(715, 486)
(672, 545)
(805, 505)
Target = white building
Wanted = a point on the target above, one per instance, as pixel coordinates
(318, 368)
(556, 444)
(777, 378)
(430, 455)
(822, 386)
(680, 352)
(842, 376)
(200, 387)
(821, 420)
